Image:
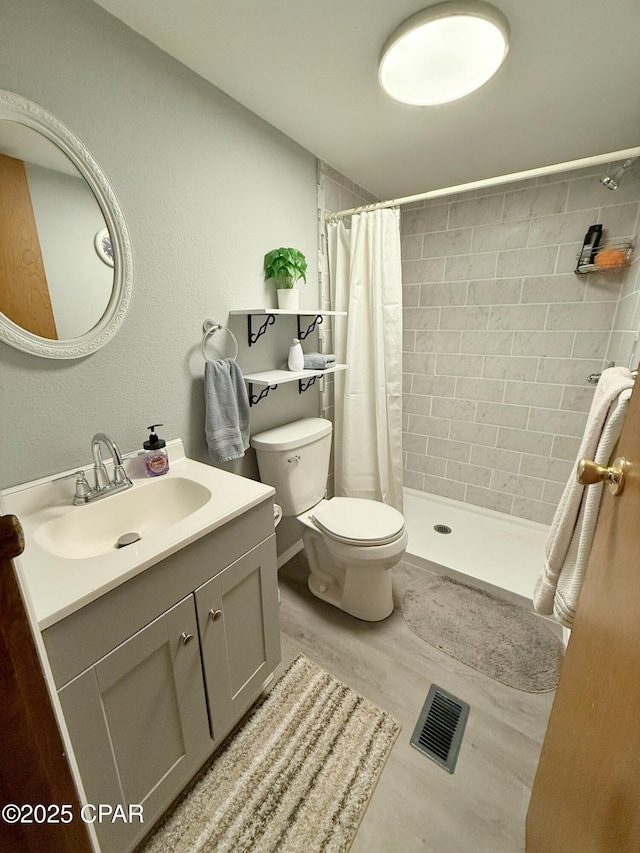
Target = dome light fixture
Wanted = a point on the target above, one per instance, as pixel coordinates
(444, 52)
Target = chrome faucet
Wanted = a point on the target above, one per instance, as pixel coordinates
(103, 485)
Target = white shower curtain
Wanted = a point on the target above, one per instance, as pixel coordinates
(366, 281)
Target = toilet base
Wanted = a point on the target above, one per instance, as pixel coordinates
(362, 591)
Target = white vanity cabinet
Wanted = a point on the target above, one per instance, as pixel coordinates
(153, 675)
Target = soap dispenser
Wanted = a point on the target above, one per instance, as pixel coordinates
(156, 458)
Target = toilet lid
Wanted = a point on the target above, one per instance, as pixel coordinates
(357, 521)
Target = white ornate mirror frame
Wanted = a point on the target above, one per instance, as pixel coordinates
(16, 108)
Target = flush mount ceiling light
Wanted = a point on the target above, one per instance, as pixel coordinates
(444, 52)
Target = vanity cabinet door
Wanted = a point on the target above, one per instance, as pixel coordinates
(138, 722)
(239, 619)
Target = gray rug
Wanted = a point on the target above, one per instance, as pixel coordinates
(500, 639)
(297, 776)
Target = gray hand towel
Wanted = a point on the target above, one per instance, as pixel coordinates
(227, 410)
(318, 360)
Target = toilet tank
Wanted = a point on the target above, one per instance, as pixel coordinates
(294, 459)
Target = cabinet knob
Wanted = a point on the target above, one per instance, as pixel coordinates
(215, 614)
(186, 638)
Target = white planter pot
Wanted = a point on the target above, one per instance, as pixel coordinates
(288, 299)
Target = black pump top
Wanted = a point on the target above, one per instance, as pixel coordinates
(154, 442)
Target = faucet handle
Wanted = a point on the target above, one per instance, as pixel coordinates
(120, 476)
(83, 489)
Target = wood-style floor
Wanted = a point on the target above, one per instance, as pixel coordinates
(417, 806)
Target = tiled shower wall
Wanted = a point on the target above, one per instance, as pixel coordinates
(500, 336)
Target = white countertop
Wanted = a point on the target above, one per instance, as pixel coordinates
(59, 585)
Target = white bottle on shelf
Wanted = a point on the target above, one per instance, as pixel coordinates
(296, 356)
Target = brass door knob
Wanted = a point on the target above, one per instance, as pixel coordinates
(589, 472)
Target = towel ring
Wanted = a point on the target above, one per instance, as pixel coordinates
(209, 327)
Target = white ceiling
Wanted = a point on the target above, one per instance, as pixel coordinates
(570, 86)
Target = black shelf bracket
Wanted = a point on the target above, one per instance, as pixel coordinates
(253, 337)
(302, 335)
(302, 385)
(253, 400)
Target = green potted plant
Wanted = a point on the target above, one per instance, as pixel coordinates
(285, 267)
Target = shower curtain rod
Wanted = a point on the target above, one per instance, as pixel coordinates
(492, 182)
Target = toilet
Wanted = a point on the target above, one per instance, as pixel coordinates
(351, 543)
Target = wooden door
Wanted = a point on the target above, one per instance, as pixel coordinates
(24, 291)
(33, 765)
(586, 794)
(239, 624)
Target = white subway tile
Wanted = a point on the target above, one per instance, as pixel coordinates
(426, 464)
(533, 510)
(500, 291)
(567, 371)
(422, 425)
(577, 399)
(501, 414)
(473, 433)
(446, 488)
(425, 219)
(442, 244)
(525, 440)
(517, 484)
(510, 367)
(491, 390)
(447, 449)
(465, 317)
(413, 480)
(590, 344)
(557, 421)
(411, 247)
(418, 362)
(535, 201)
(410, 295)
(561, 228)
(537, 261)
(458, 410)
(408, 341)
(468, 473)
(518, 317)
(467, 267)
(546, 468)
(437, 342)
(436, 386)
(429, 269)
(476, 211)
(533, 394)
(420, 318)
(502, 235)
(543, 344)
(412, 443)
(441, 293)
(552, 492)
(565, 447)
(489, 499)
(491, 457)
(487, 343)
(566, 287)
(588, 316)
(416, 404)
(458, 365)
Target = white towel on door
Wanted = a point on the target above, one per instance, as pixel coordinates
(570, 538)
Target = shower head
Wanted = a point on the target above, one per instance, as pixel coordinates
(612, 182)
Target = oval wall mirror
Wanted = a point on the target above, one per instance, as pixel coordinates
(66, 271)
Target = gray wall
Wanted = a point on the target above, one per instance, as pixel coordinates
(500, 336)
(206, 188)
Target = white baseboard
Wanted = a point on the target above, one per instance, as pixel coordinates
(290, 552)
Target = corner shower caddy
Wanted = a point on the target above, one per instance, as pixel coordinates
(268, 380)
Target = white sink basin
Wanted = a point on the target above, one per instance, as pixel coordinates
(70, 556)
(146, 509)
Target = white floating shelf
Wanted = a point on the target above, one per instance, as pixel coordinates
(301, 312)
(279, 377)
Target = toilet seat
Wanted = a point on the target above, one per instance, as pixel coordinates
(358, 521)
